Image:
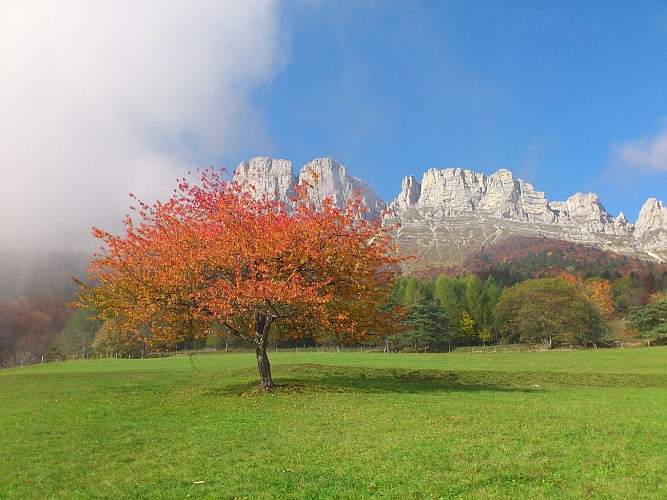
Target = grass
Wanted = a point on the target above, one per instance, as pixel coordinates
(581, 424)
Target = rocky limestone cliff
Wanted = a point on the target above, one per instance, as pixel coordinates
(454, 212)
(455, 191)
(585, 212)
(409, 196)
(276, 179)
(334, 181)
(651, 227)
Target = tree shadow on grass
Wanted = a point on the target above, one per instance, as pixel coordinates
(311, 378)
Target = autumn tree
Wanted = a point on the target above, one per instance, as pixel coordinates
(109, 343)
(466, 330)
(600, 292)
(548, 310)
(217, 255)
(597, 306)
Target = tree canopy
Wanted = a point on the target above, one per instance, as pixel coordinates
(217, 255)
(549, 310)
(649, 320)
(427, 326)
(456, 297)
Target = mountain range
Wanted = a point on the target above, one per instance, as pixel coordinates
(452, 213)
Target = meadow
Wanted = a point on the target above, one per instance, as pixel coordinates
(572, 424)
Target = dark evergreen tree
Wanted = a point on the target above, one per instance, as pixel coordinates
(428, 327)
(649, 320)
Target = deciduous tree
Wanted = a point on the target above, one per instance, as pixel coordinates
(547, 310)
(217, 255)
(109, 343)
(466, 330)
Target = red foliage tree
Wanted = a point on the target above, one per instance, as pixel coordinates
(216, 256)
(598, 291)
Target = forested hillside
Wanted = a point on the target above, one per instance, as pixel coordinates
(519, 258)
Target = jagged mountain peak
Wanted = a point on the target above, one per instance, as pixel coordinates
(272, 177)
(277, 178)
(452, 191)
(651, 226)
(455, 211)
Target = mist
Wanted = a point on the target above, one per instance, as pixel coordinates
(100, 99)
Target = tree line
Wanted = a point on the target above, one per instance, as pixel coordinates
(34, 292)
(449, 312)
(445, 312)
(441, 313)
(560, 310)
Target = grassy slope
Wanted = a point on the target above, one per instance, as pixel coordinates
(351, 425)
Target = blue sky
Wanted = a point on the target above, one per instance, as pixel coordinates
(550, 90)
(102, 99)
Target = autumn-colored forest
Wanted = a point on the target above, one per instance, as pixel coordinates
(35, 289)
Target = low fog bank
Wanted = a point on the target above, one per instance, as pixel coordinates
(40, 272)
(99, 100)
(55, 222)
(35, 290)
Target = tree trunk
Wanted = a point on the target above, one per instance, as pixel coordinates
(262, 325)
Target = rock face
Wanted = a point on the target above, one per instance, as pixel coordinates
(651, 227)
(276, 179)
(409, 196)
(455, 191)
(587, 213)
(334, 181)
(454, 212)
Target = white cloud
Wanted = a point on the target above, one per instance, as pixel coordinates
(649, 153)
(102, 98)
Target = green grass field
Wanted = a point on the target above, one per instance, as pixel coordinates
(580, 424)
